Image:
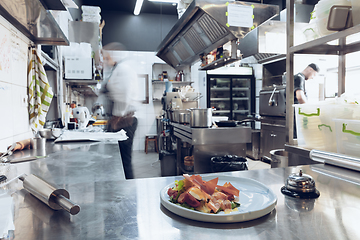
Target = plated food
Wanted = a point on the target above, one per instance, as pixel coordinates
(194, 193)
(256, 201)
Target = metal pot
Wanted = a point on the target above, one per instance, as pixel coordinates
(50, 133)
(176, 115)
(200, 117)
(184, 117)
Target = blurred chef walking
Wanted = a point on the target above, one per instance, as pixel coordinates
(120, 87)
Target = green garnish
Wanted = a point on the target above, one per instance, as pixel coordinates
(234, 205)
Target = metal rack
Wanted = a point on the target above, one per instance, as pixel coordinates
(339, 43)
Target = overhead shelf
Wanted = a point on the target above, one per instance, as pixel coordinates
(176, 82)
(322, 46)
(241, 89)
(240, 98)
(80, 82)
(240, 111)
(220, 89)
(219, 63)
(221, 111)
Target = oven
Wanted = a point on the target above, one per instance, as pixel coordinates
(272, 109)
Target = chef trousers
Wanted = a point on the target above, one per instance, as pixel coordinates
(126, 149)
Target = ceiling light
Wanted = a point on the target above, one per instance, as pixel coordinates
(165, 1)
(138, 6)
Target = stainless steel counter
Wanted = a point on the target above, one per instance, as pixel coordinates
(210, 142)
(207, 136)
(114, 208)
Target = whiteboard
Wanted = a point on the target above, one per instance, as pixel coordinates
(13, 54)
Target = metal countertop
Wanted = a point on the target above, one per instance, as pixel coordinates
(113, 208)
(207, 136)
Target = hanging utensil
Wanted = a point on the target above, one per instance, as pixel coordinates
(8, 152)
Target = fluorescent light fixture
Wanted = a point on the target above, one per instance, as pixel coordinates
(165, 1)
(138, 6)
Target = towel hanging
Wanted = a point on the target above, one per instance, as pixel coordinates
(40, 92)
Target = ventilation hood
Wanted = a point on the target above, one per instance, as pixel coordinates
(34, 20)
(267, 42)
(204, 27)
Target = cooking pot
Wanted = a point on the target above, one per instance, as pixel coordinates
(184, 117)
(176, 115)
(200, 117)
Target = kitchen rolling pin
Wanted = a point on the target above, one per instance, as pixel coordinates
(22, 144)
(55, 198)
(336, 159)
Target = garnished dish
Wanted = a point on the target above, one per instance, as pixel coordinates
(217, 198)
(194, 193)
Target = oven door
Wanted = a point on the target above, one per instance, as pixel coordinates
(273, 102)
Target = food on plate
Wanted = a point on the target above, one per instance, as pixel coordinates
(205, 196)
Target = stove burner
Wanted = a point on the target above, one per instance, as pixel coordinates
(294, 194)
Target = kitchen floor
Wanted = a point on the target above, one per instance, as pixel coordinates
(148, 165)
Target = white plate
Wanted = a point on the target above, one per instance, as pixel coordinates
(256, 201)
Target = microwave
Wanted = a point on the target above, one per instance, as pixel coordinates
(78, 68)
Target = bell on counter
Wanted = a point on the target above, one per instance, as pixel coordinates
(300, 185)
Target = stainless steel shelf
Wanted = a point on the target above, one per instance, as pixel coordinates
(321, 46)
(221, 111)
(173, 82)
(220, 89)
(81, 82)
(219, 99)
(240, 98)
(240, 111)
(241, 89)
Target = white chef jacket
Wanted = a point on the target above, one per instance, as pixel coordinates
(123, 90)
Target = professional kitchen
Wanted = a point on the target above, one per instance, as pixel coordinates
(179, 119)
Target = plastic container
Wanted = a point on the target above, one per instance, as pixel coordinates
(315, 126)
(322, 8)
(321, 24)
(348, 136)
(91, 18)
(307, 121)
(311, 31)
(90, 10)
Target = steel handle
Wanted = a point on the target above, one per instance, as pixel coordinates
(271, 101)
(67, 205)
(273, 135)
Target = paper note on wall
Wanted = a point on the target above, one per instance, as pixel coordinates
(240, 15)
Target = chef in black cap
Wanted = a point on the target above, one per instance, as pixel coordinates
(299, 82)
(299, 86)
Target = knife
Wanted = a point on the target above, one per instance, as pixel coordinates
(25, 159)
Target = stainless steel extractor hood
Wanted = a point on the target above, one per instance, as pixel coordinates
(204, 27)
(34, 20)
(267, 42)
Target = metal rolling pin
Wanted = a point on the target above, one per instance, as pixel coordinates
(55, 198)
(336, 159)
